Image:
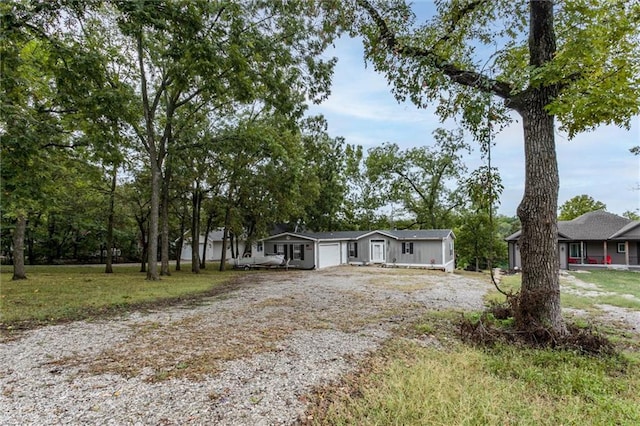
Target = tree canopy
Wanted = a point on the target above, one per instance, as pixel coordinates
(572, 62)
(579, 205)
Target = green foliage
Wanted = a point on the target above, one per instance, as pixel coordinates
(327, 165)
(483, 46)
(420, 179)
(577, 64)
(579, 205)
(170, 81)
(480, 241)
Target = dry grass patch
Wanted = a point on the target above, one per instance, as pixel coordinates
(192, 348)
(196, 346)
(409, 384)
(407, 286)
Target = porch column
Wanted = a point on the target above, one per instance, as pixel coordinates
(626, 253)
(581, 252)
(604, 259)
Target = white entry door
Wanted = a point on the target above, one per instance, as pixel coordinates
(377, 251)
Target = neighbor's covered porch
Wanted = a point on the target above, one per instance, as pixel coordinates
(600, 254)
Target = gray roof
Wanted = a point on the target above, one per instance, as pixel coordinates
(406, 234)
(420, 234)
(628, 227)
(596, 225)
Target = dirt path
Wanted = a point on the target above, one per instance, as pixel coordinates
(249, 356)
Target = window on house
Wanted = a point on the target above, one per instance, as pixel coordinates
(279, 249)
(622, 248)
(407, 248)
(353, 249)
(450, 248)
(259, 246)
(575, 250)
(297, 252)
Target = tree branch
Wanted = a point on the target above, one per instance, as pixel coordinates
(461, 76)
(413, 185)
(459, 14)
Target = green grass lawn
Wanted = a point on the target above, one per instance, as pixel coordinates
(61, 293)
(615, 288)
(407, 384)
(621, 282)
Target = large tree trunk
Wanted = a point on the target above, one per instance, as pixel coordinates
(195, 229)
(152, 242)
(203, 260)
(250, 238)
(19, 272)
(142, 226)
(155, 164)
(164, 256)
(225, 236)
(540, 294)
(539, 303)
(112, 195)
(180, 243)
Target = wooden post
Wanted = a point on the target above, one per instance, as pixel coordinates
(626, 253)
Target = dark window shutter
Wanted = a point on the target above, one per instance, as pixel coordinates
(404, 248)
(355, 248)
(275, 249)
(290, 251)
(411, 248)
(301, 251)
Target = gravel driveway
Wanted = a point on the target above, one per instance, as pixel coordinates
(245, 357)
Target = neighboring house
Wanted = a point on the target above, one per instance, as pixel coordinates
(595, 238)
(214, 247)
(417, 248)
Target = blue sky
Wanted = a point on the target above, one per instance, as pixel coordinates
(362, 109)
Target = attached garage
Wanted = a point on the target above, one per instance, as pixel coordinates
(328, 255)
(422, 248)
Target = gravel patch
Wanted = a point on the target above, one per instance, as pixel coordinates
(249, 357)
(628, 317)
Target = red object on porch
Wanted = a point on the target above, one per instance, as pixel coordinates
(591, 260)
(608, 260)
(574, 260)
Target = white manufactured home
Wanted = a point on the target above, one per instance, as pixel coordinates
(425, 248)
(214, 247)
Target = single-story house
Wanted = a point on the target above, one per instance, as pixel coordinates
(432, 248)
(214, 246)
(595, 239)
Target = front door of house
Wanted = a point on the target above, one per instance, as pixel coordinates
(377, 251)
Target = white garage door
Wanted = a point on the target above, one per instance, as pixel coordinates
(328, 255)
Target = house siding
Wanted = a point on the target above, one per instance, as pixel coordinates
(364, 248)
(437, 250)
(632, 234)
(214, 250)
(308, 248)
(424, 252)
